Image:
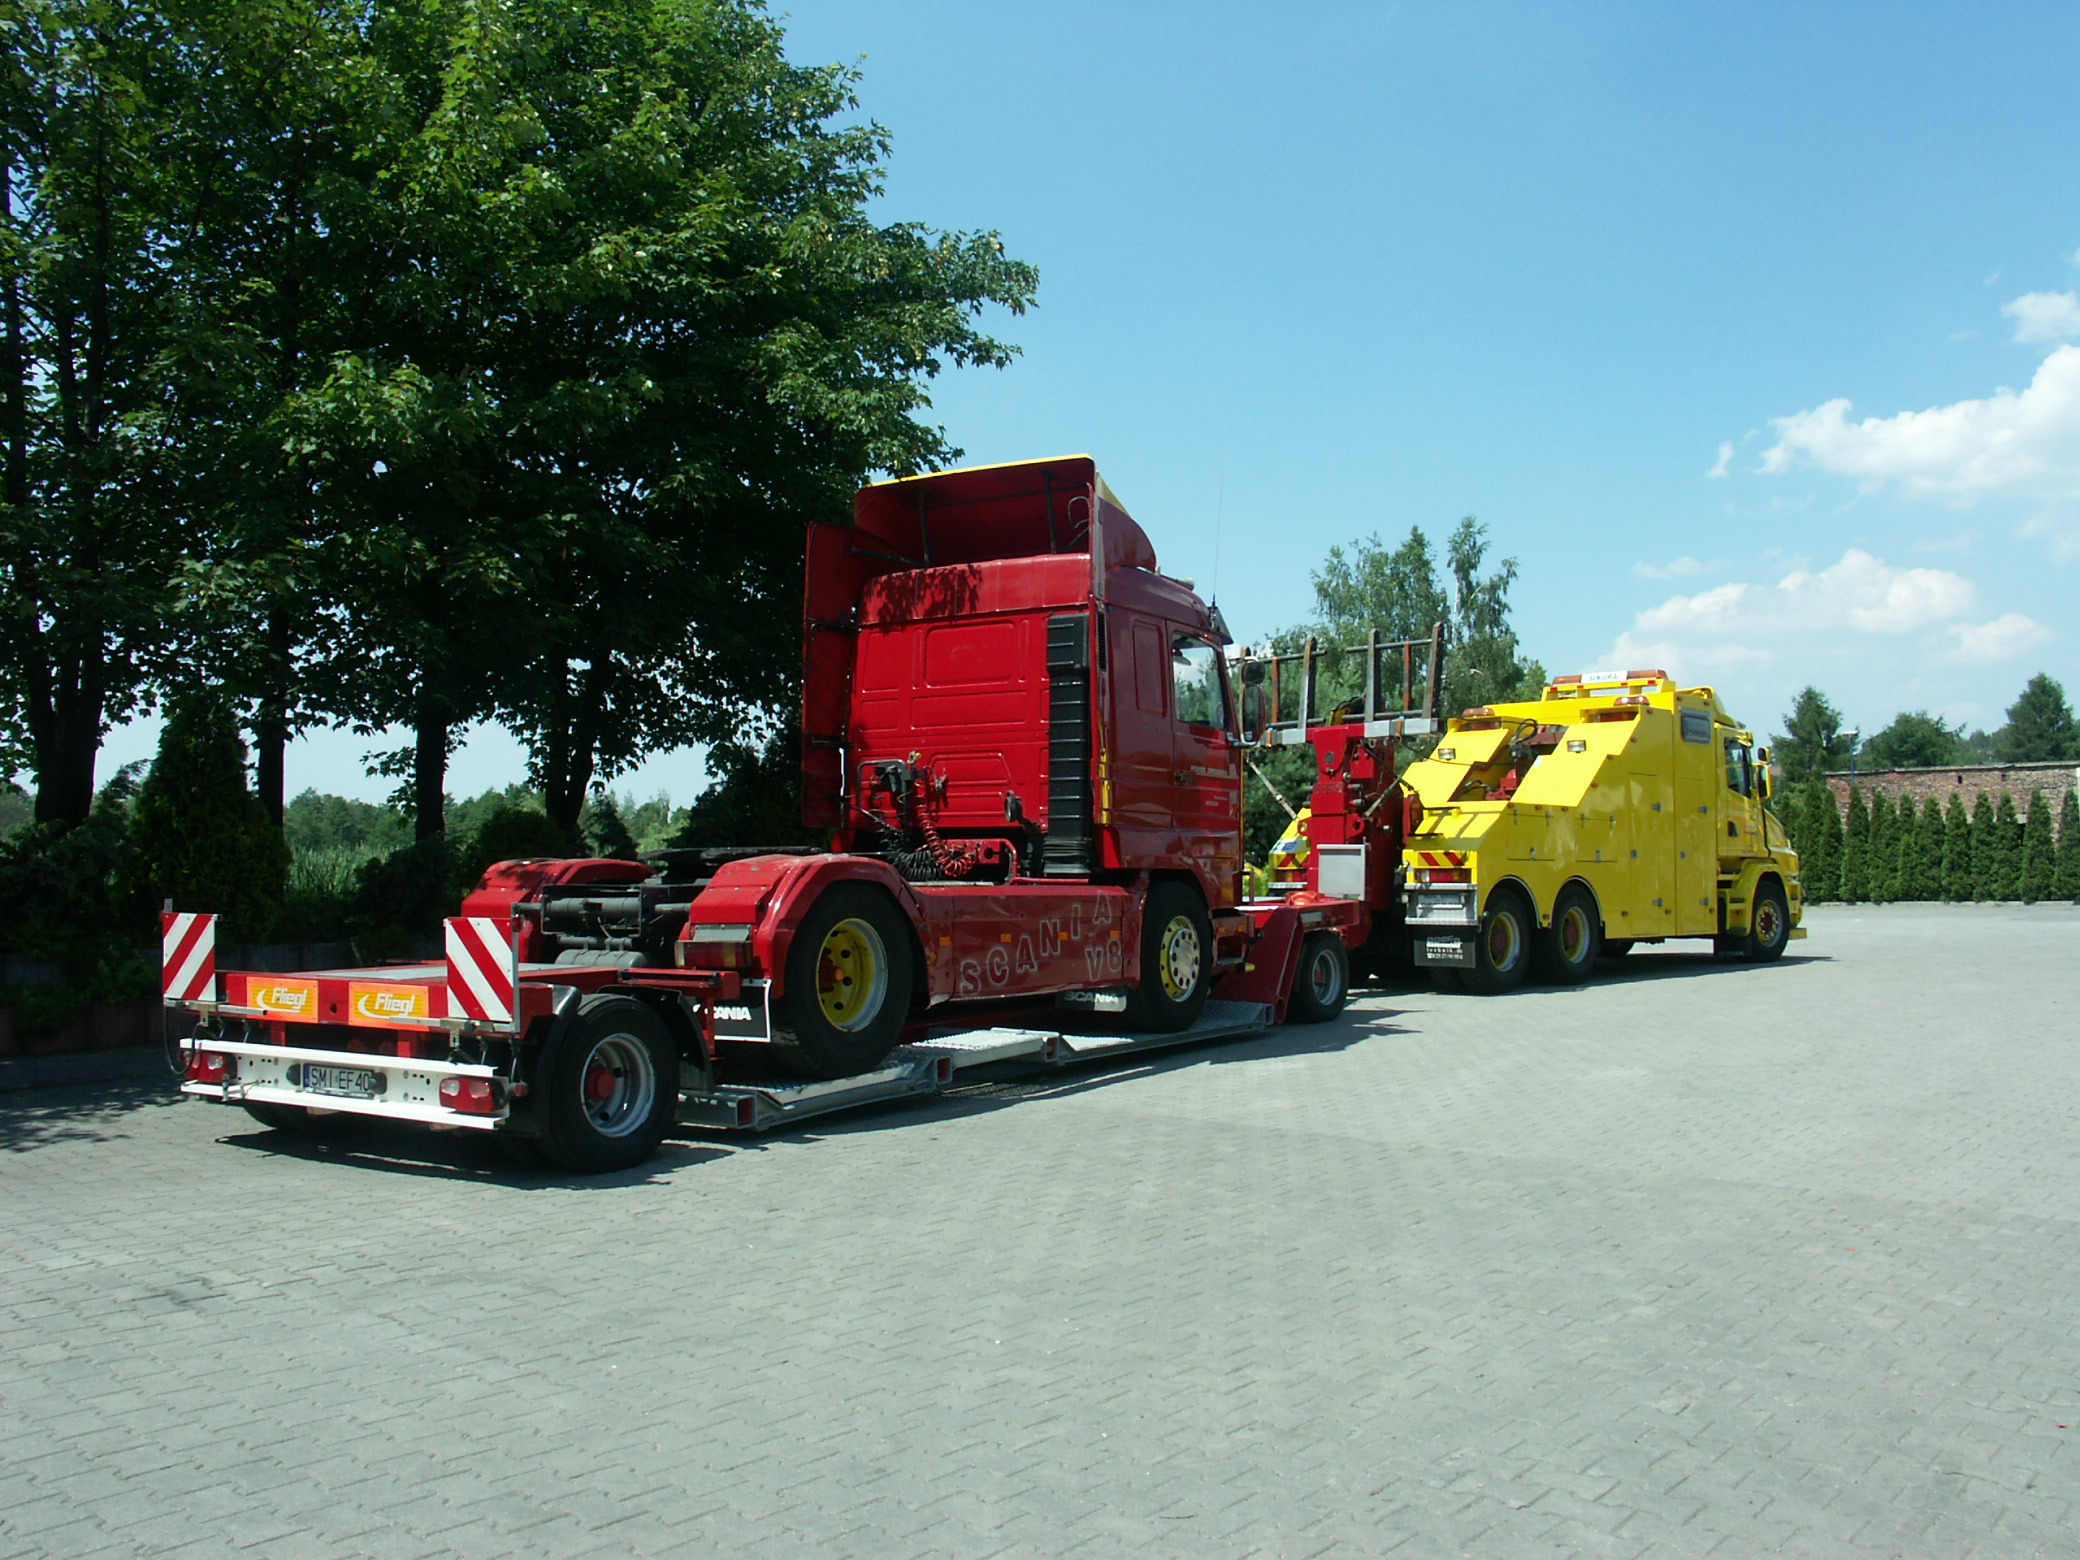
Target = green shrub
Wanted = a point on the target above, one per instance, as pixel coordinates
(197, 836)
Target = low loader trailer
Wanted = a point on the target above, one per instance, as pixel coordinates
(1025, 744)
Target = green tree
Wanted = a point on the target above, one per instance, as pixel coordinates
(197, 836)
(1856, 842)
(1986, 849)
(1881, 851)
(2066, 884)
(1956, 870)
(2040, 725)
(90, 207)
(1812, 743)
(2005, 881)
(1819, 840)
(1914, 740)
(2039, 872)
(1928, 850)
(1369, 587)
(1485, 665)
(756, 797)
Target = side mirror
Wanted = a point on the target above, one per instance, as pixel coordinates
(1252, 706)
(1252, 673)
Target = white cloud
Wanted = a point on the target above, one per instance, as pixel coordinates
(2043, 316)
(1666, 571)
(1859, 606)
(2009, 442)
(1725, 460)
(2006, 637)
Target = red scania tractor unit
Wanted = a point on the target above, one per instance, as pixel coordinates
(1027, 745)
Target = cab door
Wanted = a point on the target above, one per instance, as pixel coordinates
(1206, 758)
(1740, 801)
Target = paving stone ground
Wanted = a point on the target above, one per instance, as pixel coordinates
(1696, 1260)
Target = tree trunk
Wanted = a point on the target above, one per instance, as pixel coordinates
(430, 767)
(568, 765)
(68, 738)
(271, 723)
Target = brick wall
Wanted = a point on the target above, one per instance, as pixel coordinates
(1965, 780)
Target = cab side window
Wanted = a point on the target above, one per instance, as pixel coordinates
(1195, 674)
(1739, 776)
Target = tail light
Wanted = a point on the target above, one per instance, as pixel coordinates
(473, 1096)
(208, 1066)
(1444, 874)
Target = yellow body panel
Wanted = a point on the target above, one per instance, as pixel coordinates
(1650, 797)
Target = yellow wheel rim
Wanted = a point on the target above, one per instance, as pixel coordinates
(1574, 934)
(851, 975)
(1177, 957)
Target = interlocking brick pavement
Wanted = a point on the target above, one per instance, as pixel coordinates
(1696, 1260)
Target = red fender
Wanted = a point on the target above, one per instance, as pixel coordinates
(773, 894)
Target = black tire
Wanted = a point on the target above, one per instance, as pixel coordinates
(1615, 947)
(612, 1085)
(1176, 960)
(1502, 947)
(1566, 950)
(304, 1122)
(1769, 925)
(1445, 979)
(848, 985)
(1323, 982)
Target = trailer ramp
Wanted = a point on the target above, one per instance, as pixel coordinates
(929, 1066)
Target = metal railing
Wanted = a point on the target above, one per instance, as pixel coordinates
(1392, 687)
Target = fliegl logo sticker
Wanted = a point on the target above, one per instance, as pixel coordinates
(381, 1005)
(296, 1000)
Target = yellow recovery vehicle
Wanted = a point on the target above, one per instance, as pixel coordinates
(1615, 810)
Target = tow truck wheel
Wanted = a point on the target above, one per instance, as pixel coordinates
(1566, 950)
(848, 985)
(1322, 982)
(613, 1085)
(1615, 947)
(1769, 929)
(1176, 952)
(1502, 947)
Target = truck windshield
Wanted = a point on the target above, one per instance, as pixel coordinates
(1195, 673)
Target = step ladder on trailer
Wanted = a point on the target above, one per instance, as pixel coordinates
(928, 1066)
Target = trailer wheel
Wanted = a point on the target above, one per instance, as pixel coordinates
(1502, 948)
(848, 985)
(1769, 927)
(613, 1086)
(1566, 950)
(304, 1122)
(1176, 952)
(1322, 982)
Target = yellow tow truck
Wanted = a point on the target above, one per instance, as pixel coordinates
(1616, 809)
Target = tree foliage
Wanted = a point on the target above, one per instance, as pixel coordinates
(1914, 740)
(2040, 725)
(1812, 742)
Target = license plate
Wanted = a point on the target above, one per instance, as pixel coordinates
(1447, 950)
(350, 1083)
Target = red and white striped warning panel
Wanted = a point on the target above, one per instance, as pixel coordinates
(1442, 858)
(483, 973)
(188, 957)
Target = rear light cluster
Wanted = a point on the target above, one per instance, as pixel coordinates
(715, 947)
(473, 1096)
(1444, 874)
(208, 1066)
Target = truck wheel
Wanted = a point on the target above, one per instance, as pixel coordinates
(1566, 950)
(1323, 980)
(613, 1087)
(1176, 953)
(1502, 948)
(1769, 928)
(308, 1123)
(1615, 947)
(848, 985)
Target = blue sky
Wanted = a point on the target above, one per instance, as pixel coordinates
(1601, 276)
